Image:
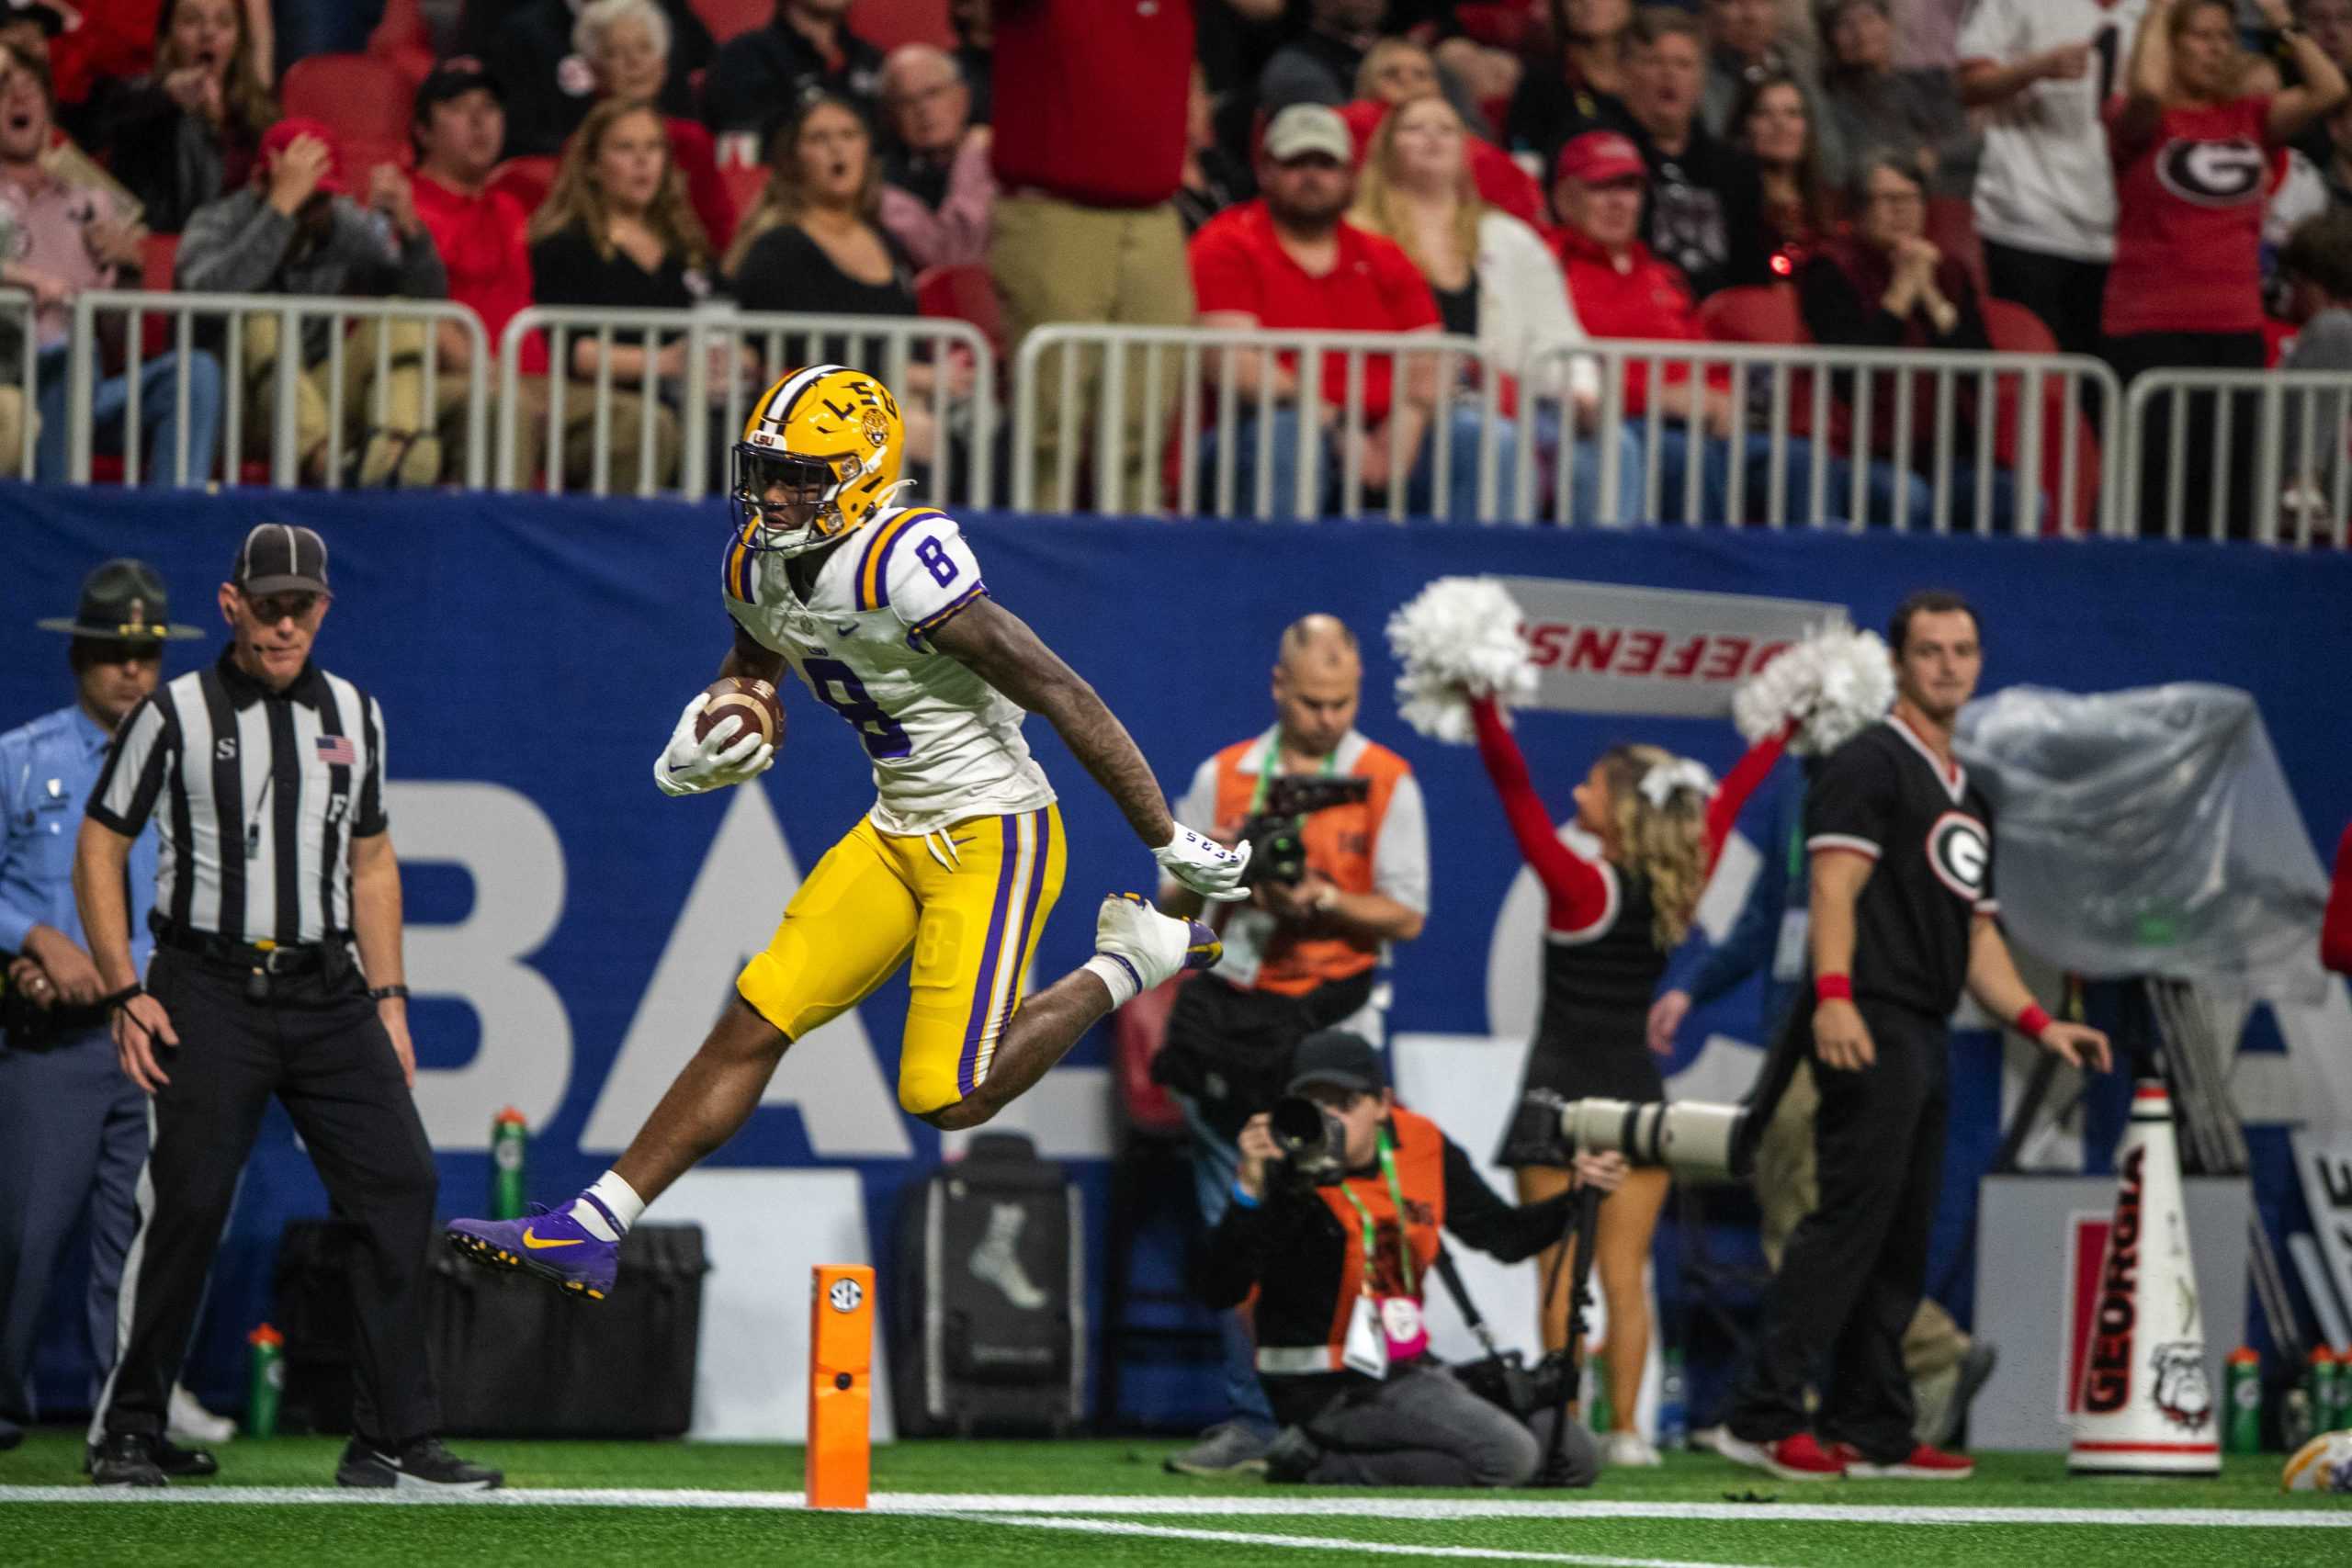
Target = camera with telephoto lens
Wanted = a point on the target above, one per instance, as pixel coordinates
(1277, 835)
(1313, 1141)
(1687, 1136)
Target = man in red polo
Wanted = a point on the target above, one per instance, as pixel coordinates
(1288, 261)
(459, 126)
(1089, 98)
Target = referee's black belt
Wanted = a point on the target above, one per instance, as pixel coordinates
(270, 957)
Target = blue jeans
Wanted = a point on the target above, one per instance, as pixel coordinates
(158, 416)
(1461, 478)
(1216, 1163)
(1882, 484)
(1584, 472)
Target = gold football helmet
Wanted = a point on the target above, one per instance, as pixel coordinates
(819, 457)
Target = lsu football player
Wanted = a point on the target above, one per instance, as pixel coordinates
(882, 614)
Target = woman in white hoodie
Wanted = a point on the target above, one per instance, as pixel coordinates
(1495, 280)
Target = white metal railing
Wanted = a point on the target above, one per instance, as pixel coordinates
(1208, 368)
(718, 361)
(19, 334)
(1787, 419)
(2289, 428)
(222, 325)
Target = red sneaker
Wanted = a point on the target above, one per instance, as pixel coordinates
(1922, 1463)
(1798, 1458)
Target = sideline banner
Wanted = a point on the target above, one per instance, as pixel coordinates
(1598, 647)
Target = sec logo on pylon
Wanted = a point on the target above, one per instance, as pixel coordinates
(845, 1295)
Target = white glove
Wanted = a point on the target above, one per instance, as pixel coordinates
(689, 766)
(1205, 866)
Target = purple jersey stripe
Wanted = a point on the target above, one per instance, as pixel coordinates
(883, 547)
(941, 616)
(968, 1061)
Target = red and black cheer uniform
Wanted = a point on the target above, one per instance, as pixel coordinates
(1857, 1266)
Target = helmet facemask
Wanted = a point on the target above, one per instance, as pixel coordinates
(789, 504)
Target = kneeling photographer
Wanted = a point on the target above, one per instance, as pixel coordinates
(1335, 1220)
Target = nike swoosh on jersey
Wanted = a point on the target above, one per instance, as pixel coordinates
(849, 631)
(535, 1245)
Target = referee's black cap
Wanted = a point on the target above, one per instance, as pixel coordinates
(281, 558)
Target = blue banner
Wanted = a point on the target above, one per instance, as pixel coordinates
(571, 930)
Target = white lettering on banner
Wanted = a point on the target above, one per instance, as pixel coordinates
(510, 850)
(846, 1106)
(1606, 649)
(2324, 1161)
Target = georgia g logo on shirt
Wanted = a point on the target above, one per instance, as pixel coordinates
(2212, 173)
(1959, 851)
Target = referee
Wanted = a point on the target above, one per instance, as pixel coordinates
(265, 777)
(1901, 850)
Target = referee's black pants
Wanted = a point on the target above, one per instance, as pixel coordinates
(316, 1045)
(1857, 1266)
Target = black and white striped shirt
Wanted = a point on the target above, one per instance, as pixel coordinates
(258, 792)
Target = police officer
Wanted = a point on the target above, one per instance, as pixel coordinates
(277, 972)
(1900, 846)
(73, 1129)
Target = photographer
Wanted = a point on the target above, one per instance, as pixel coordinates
(1341, 869)
(1354, 1218)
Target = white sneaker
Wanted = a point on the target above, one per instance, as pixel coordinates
(1628, 1449)
(1156, 946)
(188, 1422)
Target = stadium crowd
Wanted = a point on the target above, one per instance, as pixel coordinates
(2156, 183)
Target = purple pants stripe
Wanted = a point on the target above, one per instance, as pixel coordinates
(967, 1063)
(1042, 831)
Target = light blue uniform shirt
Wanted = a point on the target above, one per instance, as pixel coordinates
(47, 771)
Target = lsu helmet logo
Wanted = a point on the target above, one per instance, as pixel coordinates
(819, 458)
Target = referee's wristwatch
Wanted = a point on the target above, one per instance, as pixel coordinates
(386, 993)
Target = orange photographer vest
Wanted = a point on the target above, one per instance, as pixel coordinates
(1340, 845)
(1420, 1175)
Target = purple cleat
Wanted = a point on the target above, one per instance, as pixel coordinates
(548, 1242)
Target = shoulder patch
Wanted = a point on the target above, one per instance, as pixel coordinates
(871, 590)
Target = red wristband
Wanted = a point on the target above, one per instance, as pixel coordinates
(2033, 1021)
(1833, 988)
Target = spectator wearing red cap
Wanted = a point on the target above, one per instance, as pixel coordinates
(1494, 278)
(1089, 150)
(1399, 69)
(188, 132)
(2191, 156)
(1290, 260)
(293, 229)
(534, 51)
(459, 126)
(1622, 289)
(1575, 78)
(1705, 201)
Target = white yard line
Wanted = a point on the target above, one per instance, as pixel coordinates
(1352, 1544)
(1261, 1506)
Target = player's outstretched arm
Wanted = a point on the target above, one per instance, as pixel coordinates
(998, 646)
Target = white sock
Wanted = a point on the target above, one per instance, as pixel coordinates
(616, 1195)
(1118, 975)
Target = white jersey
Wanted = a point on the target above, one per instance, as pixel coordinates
(2046, 184)
(946, 745)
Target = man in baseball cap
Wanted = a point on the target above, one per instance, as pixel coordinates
(281, 558)
(1305, 129)
(1601, 158)
(451, 81)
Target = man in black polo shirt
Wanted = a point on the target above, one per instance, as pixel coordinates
(277, 973)
(758, 76)
(1902, 919)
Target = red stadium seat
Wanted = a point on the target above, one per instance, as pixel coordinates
(161, 251)
(1763, 314)
(1951, 224)
(744, 182)
(1505, 26)
(403, 40)
(2014, 329)
(528, 180)
(728, 18)
(965, 293)
(886, 23)
(363, 99)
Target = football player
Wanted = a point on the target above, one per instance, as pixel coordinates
(882, 614)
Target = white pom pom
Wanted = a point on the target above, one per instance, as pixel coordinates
(1458, 634)
(1836, 683)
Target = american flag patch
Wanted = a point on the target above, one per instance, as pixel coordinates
(336, 751)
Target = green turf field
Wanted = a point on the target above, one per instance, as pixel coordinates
(963, 1504)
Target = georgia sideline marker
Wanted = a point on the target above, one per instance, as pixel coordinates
(840, 1384)
(2145, 1405)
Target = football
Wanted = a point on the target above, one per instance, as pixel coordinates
(742, 705)
(2324, 1464)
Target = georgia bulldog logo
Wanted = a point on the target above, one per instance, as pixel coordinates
(1959, 852)
(2212, 173)
(2182, 1391)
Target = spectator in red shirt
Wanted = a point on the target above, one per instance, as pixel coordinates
(1290, 261)
(2191, 158)
(458, 128)
(190, 131)
(627, 44)
(1088, 148)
